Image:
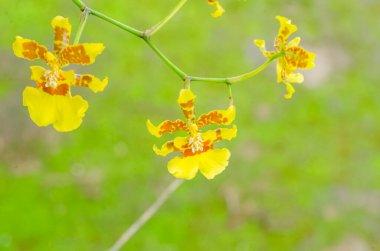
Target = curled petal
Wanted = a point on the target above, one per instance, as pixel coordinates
(217, 117)
(213, 162)
(290, 90)
(64, 112)
(181, 143)
(286, 29)
(166, 148)
(62, 31)
(218, 8)
(29, 49)
(166, 127)
(90, 81)
(178, 144)
(186, 102)
(80, 54)
(261, 44)
(184, 167)
(296, 78)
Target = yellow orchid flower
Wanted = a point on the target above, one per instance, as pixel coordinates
(51, 102)
(218, 8)
(295, 57)
(197, 149)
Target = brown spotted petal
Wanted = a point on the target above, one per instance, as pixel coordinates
(166, 127)
(90, 81)
(186, 102)
(80, 54)
(62, 31)
(297, 57)
(29, 49)
(217, 117)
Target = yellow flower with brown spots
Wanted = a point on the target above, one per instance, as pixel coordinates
(218, 8)
(294, 57)
(197, 148)
(51, 101)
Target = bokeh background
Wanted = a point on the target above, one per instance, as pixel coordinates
(304, 173)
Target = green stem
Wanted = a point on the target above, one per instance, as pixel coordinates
(82, 24)
(80, 4)
(158, 26)
(137, 33)
(169, 63)
(231, 80)
(229, 90)
(106, 18)
(146, 37)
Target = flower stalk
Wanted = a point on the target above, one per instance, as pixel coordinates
(146, 36)
(124, 238)
(82, 24)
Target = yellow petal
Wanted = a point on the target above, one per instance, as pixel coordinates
(181, 143)
(166, 148)
(211, 136)
(62, 31)
(286, 29)
(29, 49)
(38, 73)
(70, 112)
(294, 42)
(41, 106)
(185, 167)
(186, 102)
(213, 162)
(297, 57)
(261, 44)
(208, 137)
(80, 53)
(290, 90)
(226, 133)
(64, 112)
(218, 8)
(92, 82)
(280, 69)
(217, 117)
(67, 77)
(295, 78)
(166, 126)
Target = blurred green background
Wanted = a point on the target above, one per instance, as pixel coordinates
(304, 173)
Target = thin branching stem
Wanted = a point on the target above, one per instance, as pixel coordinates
(159, 25)
(146, 36)
(124, 238)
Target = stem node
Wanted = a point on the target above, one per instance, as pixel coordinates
(146, 35)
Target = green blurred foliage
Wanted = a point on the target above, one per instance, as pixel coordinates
(304, 173)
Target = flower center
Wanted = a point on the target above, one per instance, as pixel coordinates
(196, 143)
(195, 139)
(51, 77)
